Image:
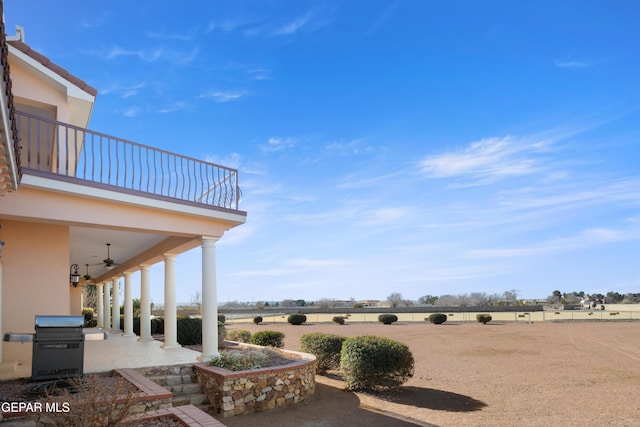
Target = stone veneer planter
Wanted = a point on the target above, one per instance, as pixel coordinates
(255, 390)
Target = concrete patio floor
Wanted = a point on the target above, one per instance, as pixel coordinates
(116, 351)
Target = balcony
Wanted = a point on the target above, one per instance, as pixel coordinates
(60, 151)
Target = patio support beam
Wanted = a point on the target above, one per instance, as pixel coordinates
(115, 305)
(128, 305)
(170, 313)
(106, 316)
(209, 299)
(100, 298)
(145, 305)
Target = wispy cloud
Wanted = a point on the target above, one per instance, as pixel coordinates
(163, 35)
(148, 56)
(574, 65)
(489, 159)
(292, 26)
(131, 111)
(277, 144)
(224, 95)
(123, 90)
(570, 62)
(586, 238)
(259, 74)
(171, 108)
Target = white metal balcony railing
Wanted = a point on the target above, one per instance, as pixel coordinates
(65, 152)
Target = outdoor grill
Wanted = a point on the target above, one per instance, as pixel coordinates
(58, 346)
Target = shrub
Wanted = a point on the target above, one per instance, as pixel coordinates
(387, 319)
(157, 326)
(437, 318)
(297, 319)
(222, 318)
(483, 318)
(268, 338)
(235, 360)
(239, 335)
(257, 320)
(222, 333)
(339, 320)
(326, 348)
(92, 405)
(189, 331)
(369, 362)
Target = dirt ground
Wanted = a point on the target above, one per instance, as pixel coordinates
(469, 374)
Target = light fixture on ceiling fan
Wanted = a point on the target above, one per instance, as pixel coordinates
(87, 276)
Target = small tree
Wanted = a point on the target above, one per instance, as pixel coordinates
(257, 320)
(297, 319)
(395, 299)
(437, 318)
(370, 362)
(326, 348)
(339, 320)
(268, 338)
(239, 335)
(387, 319)
(483, 318)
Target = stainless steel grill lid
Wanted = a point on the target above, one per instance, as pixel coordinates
(59, 321)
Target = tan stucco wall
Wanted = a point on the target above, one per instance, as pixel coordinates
(27, 86)
(35, 270)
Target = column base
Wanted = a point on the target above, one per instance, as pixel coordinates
(129, 335)
(149, 339)
(203, 358)
(170, 346)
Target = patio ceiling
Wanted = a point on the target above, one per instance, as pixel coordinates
(88, 246)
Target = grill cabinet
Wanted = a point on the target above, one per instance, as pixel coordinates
(58, 347)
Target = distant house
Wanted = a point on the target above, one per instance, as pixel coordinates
(75, 203)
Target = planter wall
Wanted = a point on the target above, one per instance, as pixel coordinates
(234, 393)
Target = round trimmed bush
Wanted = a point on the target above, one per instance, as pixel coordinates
(239, 335)
(297, 319)
(222, 318)
(257, 320)
(370, 362)
(326, 348)
(483, 318)
(387, 319)
(268, 338)
(339, 320)
(437, 318)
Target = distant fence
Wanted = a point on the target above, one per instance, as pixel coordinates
(452, 316)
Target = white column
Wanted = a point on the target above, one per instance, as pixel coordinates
(106, 316)
(209, 300)
(1, 303)
(115, 305)
(145, 305)
(170, 315)
(100, 298)
(128, 306)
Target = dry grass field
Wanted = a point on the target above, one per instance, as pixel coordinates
(469, 374)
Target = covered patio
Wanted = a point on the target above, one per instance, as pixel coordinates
(117, 351)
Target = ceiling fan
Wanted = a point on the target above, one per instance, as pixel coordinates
(108, 262)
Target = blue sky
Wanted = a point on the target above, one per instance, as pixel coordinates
(420, 147)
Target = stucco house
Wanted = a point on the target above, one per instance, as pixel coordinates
(74, 200)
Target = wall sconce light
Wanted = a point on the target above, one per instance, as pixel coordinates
(74, 276)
